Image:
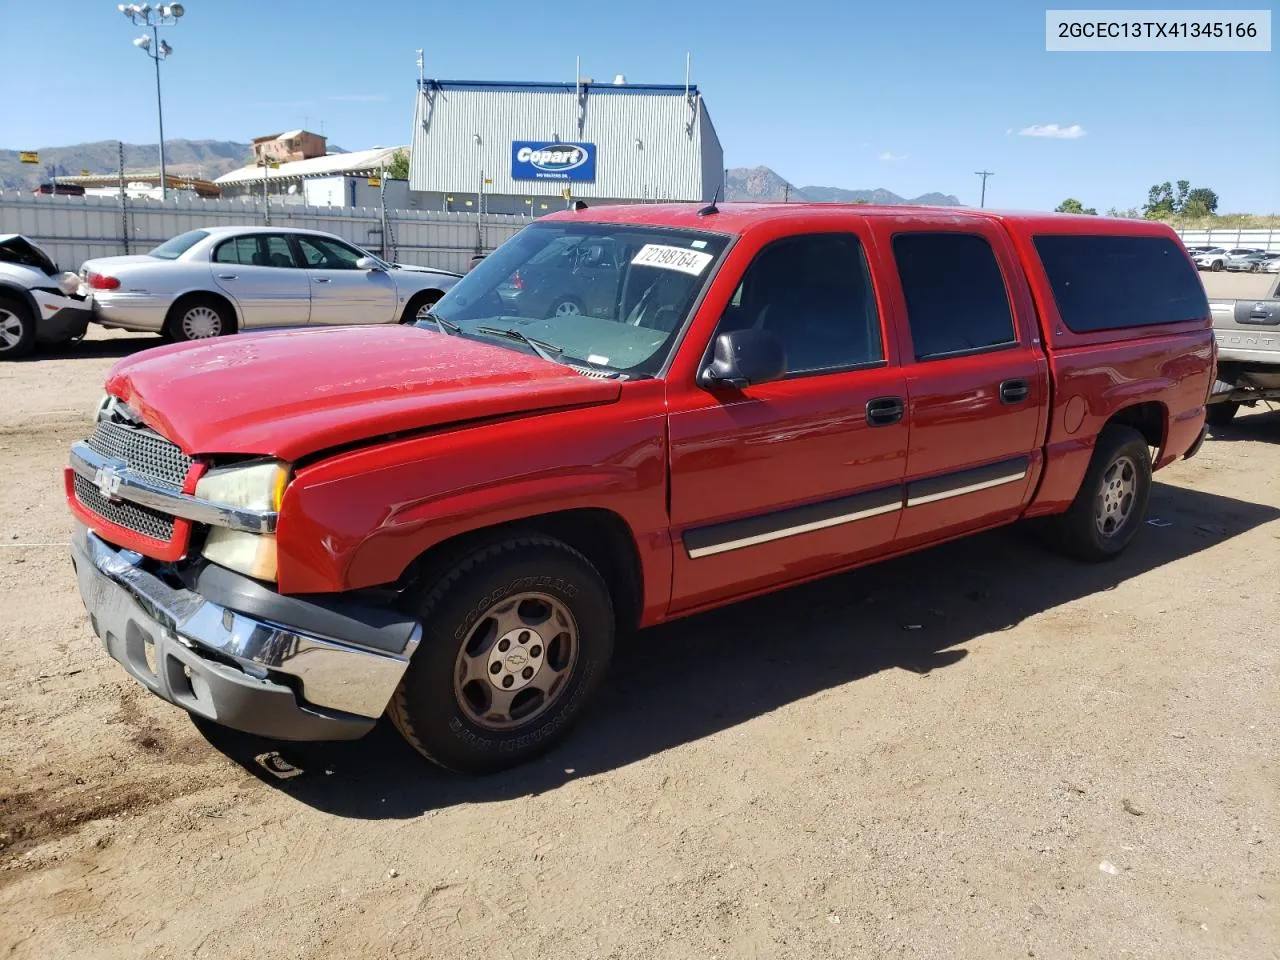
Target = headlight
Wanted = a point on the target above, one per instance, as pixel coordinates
(69, 284)
(253, 486)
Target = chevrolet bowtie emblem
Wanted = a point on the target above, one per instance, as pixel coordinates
(107, 480)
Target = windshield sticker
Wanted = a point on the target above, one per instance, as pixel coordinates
(698, 244)
(659, 255)
(596, 358)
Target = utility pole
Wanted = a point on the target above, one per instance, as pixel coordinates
(786, 193)
(124, 202)
(983, 174)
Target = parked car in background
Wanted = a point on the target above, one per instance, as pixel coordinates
(1248, 334)
(1197, 250)
(1248, 263)
(296, 533)
(1217, 258)
(215, 281)
(39, 304)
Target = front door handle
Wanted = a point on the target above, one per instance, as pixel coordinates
(883, 411)
(1014, 391)
(320, 279)
(226, 276)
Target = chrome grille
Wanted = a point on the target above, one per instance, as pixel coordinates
(147, 454)
(131, 516)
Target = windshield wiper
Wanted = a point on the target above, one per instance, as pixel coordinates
(446, 325)
(540, 347)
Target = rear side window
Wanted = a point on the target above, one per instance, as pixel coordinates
(1110, 283)
(955, 293)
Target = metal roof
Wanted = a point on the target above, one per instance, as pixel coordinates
(595, 87)
(357, 163)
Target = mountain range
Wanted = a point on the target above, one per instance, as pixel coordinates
(209, 159)
(762, 183)
(206, 159)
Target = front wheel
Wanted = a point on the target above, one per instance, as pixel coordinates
(17, 329)
(420, 305)
(517, 636)
(1112, 501)
(1217, 266)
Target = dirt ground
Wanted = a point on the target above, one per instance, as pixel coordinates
(982, 751)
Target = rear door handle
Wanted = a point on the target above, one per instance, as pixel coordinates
(320, 279)
(226, 276)
(883, 411)
(1014, 391)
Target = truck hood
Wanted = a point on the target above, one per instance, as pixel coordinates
(292, 393)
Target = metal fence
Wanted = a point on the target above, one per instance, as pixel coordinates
(75, 229)
(1268, 240)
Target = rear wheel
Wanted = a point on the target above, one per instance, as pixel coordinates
(1217, 266)
(199, 318)
(517, 636)
(1220, 414)
(17, 329)
(1112, 500)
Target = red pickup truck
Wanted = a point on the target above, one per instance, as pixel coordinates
(622, 416)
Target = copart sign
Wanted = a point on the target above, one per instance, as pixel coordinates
(553, 161)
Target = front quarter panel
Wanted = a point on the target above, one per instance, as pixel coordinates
(360, 519)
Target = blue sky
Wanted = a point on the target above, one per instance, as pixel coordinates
(913, 96)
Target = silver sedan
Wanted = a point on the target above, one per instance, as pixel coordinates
(217, 280)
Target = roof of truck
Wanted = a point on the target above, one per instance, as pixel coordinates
(736, 217)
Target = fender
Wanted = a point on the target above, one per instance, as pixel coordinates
(23, 294)
(359, 519)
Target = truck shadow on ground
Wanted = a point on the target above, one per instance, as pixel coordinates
(690, 679)
(1263, 426)
(96, 349)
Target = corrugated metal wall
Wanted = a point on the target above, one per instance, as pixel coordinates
(669, 163)
(75, 229)
(1268, 240)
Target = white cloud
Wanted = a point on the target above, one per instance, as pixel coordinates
(1053, 131)
(1009, 132)
(891, 156)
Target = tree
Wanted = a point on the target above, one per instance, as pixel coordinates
(1072, 205)
(1201, 202)
(1160, 201)
(398, 168)
(1180, 201)
(1131, 213)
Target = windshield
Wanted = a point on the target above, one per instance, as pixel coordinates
(612, 296)
(175, 247)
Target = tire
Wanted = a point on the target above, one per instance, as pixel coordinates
(199, 318)
(17, 329)
(419, 301)
(516, 591)
(566, 307)
(1220, 414)
(1121, 459)
(1217, 266)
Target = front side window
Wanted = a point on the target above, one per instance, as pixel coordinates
(175, 247)
(814, 294)
(955, 293)
(611, 296)
(321, 253)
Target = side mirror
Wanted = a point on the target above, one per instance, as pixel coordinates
(741, 358)
(368, 263)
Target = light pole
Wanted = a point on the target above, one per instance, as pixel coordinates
(161, 15)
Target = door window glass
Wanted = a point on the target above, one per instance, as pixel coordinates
(955, 293)
(814, 293)
(275, 249)
(236, 250)
(322, 253)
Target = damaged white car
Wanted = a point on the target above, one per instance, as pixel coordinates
(38, 303)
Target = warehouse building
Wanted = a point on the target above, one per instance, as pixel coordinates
(533, 148)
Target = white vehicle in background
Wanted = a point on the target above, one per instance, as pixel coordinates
(215, 281)
(1217, 258)
(38, 303)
